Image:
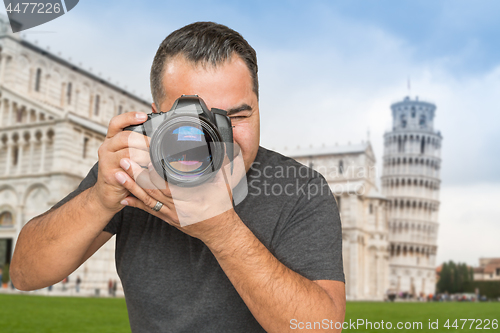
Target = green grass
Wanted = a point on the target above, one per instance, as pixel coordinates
(422, 312)
(38, 314)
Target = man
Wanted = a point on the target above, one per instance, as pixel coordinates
(271, 262)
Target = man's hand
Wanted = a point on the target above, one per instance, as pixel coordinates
(52, 245)
(119, 144)
(210, 203)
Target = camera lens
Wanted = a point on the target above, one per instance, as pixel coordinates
(187, 150)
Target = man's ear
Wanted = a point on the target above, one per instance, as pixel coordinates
(153, 108)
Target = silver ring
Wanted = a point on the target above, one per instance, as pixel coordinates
(157, 207)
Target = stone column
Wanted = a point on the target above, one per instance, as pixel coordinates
(9, 157)
(10, 107)
(19, 223)
(3, 63)
(354, 259)
(42, 155)
(377, 274)
(32, 143)
(26, 109)
(44, 84)
(20, 148)
(1, 112)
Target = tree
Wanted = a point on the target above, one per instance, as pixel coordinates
(454, 277)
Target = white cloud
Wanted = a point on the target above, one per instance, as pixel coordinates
(469, 223)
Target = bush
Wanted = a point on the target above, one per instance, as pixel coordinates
(5, 274)
(490, 289)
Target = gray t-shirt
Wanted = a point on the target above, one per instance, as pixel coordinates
(172, 281)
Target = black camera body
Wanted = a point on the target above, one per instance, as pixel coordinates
(189, 142)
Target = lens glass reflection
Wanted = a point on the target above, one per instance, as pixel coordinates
(186, 149)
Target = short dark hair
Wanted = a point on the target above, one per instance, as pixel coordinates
(202, 43)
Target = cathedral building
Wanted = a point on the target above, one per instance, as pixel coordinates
(411, 182)
(350, 173)
(53, 118)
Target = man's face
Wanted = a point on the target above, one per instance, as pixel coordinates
(227, 87)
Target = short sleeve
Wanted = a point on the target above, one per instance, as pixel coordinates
(86, 183)
(310, 241)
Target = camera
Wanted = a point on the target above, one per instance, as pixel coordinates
(189, 142)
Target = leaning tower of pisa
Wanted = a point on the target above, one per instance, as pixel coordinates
(411, 181)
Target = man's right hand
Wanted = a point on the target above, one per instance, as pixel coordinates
(117, 145)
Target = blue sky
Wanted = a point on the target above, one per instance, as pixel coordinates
(329, 71)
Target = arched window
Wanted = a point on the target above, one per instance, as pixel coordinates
(413, 112)
(96, 105)
(85, 147)
(6, 220)
(15, 155)
(341, 167)
(422, 120)
(19, 115)
(422, 146)
(38, 79)
(68, 93)
(403, 121)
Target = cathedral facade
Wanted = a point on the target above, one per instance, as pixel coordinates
(350, 173)
(53, 118)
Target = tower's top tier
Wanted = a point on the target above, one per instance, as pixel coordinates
(413, 115)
